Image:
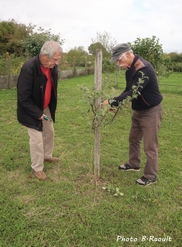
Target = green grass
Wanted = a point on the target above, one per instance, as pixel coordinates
(70, 209)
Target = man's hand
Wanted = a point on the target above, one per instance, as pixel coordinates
(105, 102)
(43, 117)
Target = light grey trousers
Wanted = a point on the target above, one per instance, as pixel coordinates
(41, 143)
(145, 124)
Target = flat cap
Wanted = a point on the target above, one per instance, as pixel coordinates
(118, 50)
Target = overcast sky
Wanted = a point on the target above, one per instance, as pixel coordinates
(79, 21)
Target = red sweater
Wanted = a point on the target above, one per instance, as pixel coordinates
(47, 96)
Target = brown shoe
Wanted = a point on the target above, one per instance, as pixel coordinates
(52, 159)
(40, 175)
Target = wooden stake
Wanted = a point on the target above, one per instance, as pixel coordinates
(8, 69)
(98, 88)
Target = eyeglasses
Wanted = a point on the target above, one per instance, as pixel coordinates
(119, 59)
(55, 59)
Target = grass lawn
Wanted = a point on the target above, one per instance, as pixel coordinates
(70, 209)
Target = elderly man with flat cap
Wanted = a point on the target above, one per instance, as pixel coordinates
(147, 112)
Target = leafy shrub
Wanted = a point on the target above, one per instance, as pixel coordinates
(3, 70)
(107, 66)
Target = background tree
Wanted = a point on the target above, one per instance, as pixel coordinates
(175, 61)
(93, 49)
(21, 40)
(11, 36)
(77, 56)
(33, 43)
(107, 66)
(149, 49)
(106, 40)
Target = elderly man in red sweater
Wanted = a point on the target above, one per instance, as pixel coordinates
(37, 101)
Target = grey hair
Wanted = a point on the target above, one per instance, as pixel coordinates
(50, 47)
(131, 51)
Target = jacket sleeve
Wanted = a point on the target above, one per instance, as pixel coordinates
(25, 87)
(116, 100)
(139, 82)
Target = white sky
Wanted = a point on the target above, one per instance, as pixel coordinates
(79, 21)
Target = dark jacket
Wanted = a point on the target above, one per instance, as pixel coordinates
(30, 94)
(149, 94)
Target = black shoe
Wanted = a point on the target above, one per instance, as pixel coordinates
(127, 167)
(146, 181)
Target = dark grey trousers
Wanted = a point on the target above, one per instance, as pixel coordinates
(145, 124)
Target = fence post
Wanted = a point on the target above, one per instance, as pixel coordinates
(98, 88)
(8, 69)
(86, 68)
(74, 67)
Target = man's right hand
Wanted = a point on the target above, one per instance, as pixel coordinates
(42, 117)
(105, 102)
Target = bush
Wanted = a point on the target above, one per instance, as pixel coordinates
(3, 70)
(107, 66)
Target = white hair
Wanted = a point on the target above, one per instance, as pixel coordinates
(131, 51)
(50, 47)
